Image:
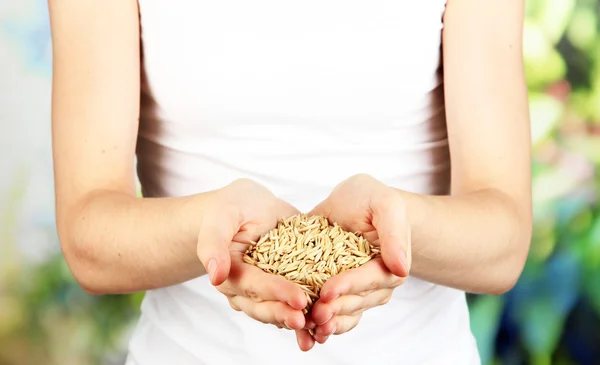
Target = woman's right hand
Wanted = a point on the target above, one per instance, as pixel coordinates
(243, 211)
(265, 297)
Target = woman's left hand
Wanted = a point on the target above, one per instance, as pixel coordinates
(364, 204)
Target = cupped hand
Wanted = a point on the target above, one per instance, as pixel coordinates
(240, 213)
(267, 298)
(346, 296)
(364, 204)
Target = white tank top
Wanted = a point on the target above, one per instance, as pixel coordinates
(297, 95)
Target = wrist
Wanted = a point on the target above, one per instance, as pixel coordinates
(195, 209)
(227, 206)
(415, 211)
(227, 203)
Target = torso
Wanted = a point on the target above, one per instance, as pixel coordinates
(297, 96)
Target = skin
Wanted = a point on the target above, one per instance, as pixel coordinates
(476, 239)
(113, 241)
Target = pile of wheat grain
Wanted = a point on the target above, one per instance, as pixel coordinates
(307, 250)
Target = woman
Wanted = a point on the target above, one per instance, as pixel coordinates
(251, 111)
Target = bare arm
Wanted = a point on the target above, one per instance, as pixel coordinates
(113, 241)
(478, 238)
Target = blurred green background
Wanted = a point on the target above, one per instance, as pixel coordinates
(551, 317)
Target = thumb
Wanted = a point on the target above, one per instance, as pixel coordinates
(323, 209)
(393, 229)
(213, 250)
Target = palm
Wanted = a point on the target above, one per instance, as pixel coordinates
(364, 204)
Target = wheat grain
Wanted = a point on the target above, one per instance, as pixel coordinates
(307, 250)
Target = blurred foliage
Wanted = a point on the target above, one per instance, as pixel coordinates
(45, 316)
(551, 316)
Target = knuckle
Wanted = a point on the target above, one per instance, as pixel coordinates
(281, 317)
(361, 177)
(223, 289)
(387, 298)
(234, 306)
(252, 294)
(366, 293)
(278, 315)
(259, 319)
(334, 309)
(356, 311)
(373, 285)
(354, 323)
(397, 281)
(258, 315)
(280, 321)
(244, 182)
(349, 324)
(359, 309)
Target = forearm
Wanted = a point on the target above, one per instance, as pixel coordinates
(116, 243)
(477, 242)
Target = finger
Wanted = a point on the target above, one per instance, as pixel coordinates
(309, 323)
(349, 305)
(276, 313)
(251, 282)
(305, 340)
(213, 248)
(346, 323)
(323, 209)
(337, 326)
(389, 218)
(369, 277)
(320, 338)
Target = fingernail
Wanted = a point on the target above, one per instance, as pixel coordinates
(212, 269)
(287, 325)
(310, 324)
(333, 331)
